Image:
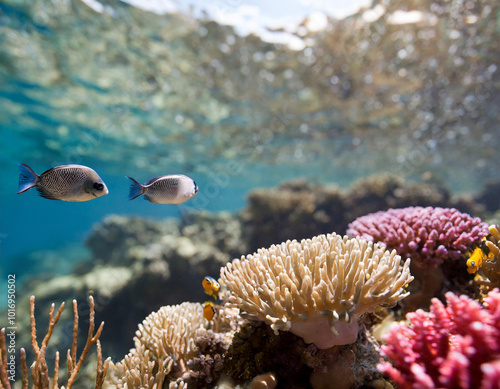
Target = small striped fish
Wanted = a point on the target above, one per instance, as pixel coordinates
(66, 182)
(173, 189)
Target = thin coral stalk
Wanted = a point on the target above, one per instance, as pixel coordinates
(102, 368)
(75, 330)
(4, 379)
(34, 343)
(24, 369)
(43, 369)
(52, 322)
(56, 372)
(91, 339)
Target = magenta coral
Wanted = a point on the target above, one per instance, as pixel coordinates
(453, 346)
(426, 235)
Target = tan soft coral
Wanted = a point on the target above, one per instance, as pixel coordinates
(166, 341)
(317, 288)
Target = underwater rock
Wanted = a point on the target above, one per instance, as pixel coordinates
(348, 367)
(293, 210)
(299, 209)
(457, 345)
(489, 196)
(111, 239)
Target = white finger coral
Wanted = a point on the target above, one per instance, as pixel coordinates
(317, 288)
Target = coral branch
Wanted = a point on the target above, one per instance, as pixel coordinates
(91, 339)
(34, 343)
(3, 367)
(24, 369)
(56, 372)
(52, 322)
(102, 369)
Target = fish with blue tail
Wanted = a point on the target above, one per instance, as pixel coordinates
(66, 182)
(172, 189)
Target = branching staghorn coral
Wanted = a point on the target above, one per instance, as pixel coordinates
(317, 288)
(39, 370)
(166, 342)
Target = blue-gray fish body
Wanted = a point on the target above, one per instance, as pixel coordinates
(173, 189)
(67, 182)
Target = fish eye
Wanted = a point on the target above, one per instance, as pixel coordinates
(195, 187)
(98, 186)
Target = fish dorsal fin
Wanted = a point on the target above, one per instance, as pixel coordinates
(73, 166)
(149, 182)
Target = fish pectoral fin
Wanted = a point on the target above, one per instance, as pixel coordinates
(45, 194)
(147, 198)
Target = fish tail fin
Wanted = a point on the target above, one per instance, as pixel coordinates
(27, 178)
(136, 189)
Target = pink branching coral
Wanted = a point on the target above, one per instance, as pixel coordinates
(427, 235)
(453, 346)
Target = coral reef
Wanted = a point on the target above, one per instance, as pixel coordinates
(39, 370)
(452, 346)
(256, 351)
(318, 288)
(135, 256)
